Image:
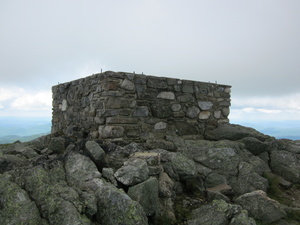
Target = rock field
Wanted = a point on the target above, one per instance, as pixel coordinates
(234, 175)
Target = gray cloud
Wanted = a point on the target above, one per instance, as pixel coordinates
(251, 45)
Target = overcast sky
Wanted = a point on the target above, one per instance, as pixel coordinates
(253, 45)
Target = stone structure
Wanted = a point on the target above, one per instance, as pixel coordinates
(136, 107)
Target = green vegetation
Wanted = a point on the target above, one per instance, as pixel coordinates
(191, 198)
(275, 191)
(279, 194)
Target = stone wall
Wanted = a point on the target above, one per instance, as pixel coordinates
(127, 106)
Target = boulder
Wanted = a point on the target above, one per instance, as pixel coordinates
(16, 207)
(9, 162)
(261, 207)
(133, 171)
(57, 145)
(115, 207)
(229, 163)
(40, 143)
(146, 194)
(90, 203)
(219, 212)
(108, 174)
(59, 204)
(242, 219)
(95, 152)
(117, 155)
(248, 180)
(222, 160)
(254, 145)
(20, 149)
(233, 132)
(214, 179)
(182, 166)
(286, 164)
(79, 170)
(165, 185)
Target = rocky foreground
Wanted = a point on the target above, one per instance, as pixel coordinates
(235, 175)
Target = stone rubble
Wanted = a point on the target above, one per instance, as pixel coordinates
(101, 182)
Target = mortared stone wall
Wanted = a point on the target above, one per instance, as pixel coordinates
(135, 107)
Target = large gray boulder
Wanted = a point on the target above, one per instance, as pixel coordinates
(115, 207)
(230, 163)
(40, 143)
(254, 145)
(133, 172)
(214, 179)
(16, 207)
(219, 212)
(286, 164)
(223, 160)
(79, 170)
(146, 193)
(248, 180)
(261, 207)
(20, 149)
(9, 162)
(183, 166)
(57, 202)
(166, 188)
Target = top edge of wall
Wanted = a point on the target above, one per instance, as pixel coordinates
(120, 73)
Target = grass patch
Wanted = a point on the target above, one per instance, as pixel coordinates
(181, 211)
(275, 191)
(293, 216)
(281, 195)
(191, 198)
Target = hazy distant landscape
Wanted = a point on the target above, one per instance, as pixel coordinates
(289, 129)
(23, 129)
(28, 128)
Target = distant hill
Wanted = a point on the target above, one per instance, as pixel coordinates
(23, 128)
(14, 138)
(287, 129)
